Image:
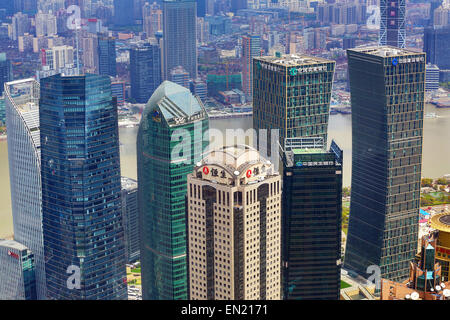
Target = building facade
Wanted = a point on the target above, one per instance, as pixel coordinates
(251, 47)
(234, 227)
(17, 272)
(180, 36)
(81, 188)
(387, 95)
(6, 72)
(107, 55)
(292, 93)
(393, 23)
(312, 220)
(164, 162)
(436, 44)
(145, 71)
(24, 158)
(130, 216)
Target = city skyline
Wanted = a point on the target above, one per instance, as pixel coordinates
(224, 150)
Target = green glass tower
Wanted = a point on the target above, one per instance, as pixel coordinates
(292, 93)
(171, 139)
(388, 91)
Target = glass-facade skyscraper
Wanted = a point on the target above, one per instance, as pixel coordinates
(145, 70)
(436, 44)
(312, 220)
(251, 47)
(387, 94)
(81, 188)
(24, 158)
(171, 139)
(107, 55)
(17, 271)
(393, 23)
(180, 36)
(292, 93)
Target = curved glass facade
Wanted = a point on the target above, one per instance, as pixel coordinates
(22, 121)
(162, 178)
(81, 188)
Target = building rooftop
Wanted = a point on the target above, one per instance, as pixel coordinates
(175, 102)
(128, 183)
(310, 151)
(234, 156)
(386, 51)
(293, 60)
(12, 244)
(441, 222)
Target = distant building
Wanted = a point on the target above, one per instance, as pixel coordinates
(6, 71)
(45, 25)
(432, 77)
(58, 57)
(107, 55)
(152, 19)
(312, 220)
(393, 23)
(180, 36)
(145, 70)
(118, 90)
(21, 25)
(130, 216)
(17, 272)
(179, 76)
(251, 47)
(123, 12)
(200, 89)
(436, 44)
(234, 227)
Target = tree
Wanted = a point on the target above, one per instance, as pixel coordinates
(427, 182)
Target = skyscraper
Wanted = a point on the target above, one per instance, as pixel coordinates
(436, 44)
(387, 94)
(393, 23)
(172, 114)
(152, 19)
(17, 272)
(145, 71)
(24, 158)
(292, 93)
(312, 209)
(180, 36)
(123, 12)
(107, 55)
(130, 215)
(251, 47)
(81, 188)
(234, 227)
(6, 72)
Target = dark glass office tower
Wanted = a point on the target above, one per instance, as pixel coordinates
(6, 72)
(171, 139)
(180, 36)
(107, 55)
(81, 188)
(393, 23)
(436, 44)
(292, 93)
(311, 220)
(387, 92)
(145, 71)
(123, 12)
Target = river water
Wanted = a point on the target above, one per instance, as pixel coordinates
(436, 152)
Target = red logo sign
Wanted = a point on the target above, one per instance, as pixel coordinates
(12, 254)
(249, 173)
(206, 170)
